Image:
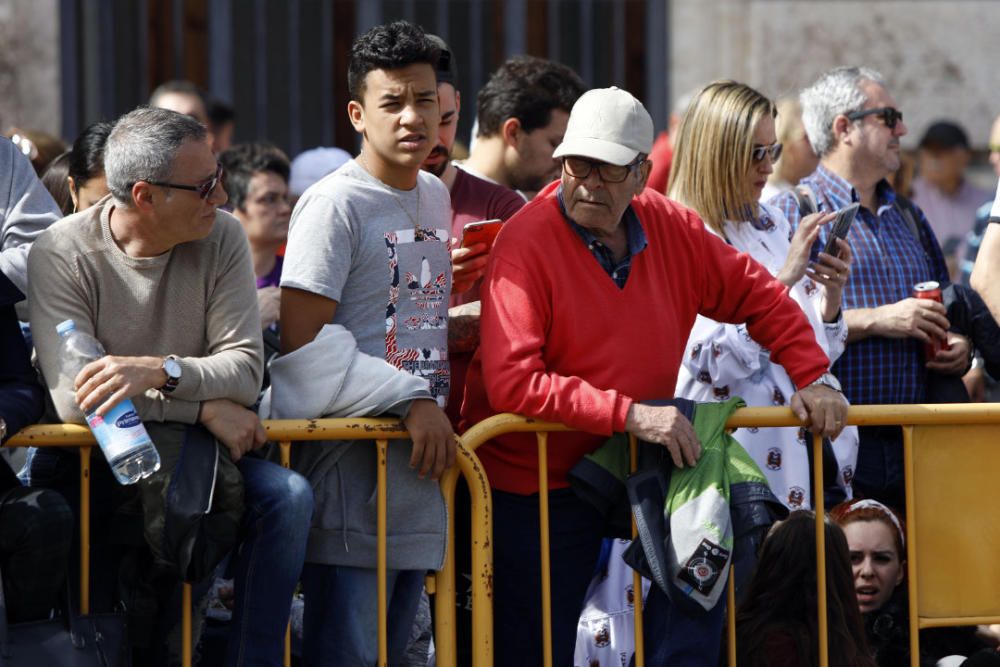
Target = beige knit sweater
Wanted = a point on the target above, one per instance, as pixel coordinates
(197, 301)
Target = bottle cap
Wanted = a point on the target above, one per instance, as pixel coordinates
(64, 328)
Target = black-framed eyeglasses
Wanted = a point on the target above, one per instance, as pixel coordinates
(760, 151)
(889, 115)
(203, 189)
(579, 167)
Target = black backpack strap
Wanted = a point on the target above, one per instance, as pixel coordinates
(806, 199)
(908, 211)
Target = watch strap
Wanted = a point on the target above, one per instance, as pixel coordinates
(172, 380)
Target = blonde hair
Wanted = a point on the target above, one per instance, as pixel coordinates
(712, 152)
(788, 128)
(788, 125)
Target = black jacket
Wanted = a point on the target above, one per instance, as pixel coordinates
(21, 395)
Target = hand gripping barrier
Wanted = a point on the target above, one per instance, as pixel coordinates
(381, 431)
(952, 455)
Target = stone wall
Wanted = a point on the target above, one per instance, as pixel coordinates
(938, 57)
(29, 65)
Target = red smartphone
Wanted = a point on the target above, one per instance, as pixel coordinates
(484, 231)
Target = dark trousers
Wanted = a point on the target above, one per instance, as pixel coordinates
(675, 637)
(115, 518)
(36, 527)
(575, 544)
(879, 471)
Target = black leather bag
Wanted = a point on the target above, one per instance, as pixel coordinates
(192, 506)
(97, 640)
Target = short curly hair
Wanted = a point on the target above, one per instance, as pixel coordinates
(526, 88)
(389, 46)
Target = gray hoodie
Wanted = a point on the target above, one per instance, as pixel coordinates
(343, 473)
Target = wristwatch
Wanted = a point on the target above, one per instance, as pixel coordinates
(172, 367)
(827, 379)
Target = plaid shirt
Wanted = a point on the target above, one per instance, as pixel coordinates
(974, 240)
(888, 262)
(636, 243)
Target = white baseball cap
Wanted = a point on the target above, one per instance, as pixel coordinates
(607, 124)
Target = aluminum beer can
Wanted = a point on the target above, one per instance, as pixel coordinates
(931, 290)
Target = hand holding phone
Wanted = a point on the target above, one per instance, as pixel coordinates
(841, 226)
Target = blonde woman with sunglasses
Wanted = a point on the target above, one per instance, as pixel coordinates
(724, 153)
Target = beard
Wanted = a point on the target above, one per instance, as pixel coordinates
(438, 168)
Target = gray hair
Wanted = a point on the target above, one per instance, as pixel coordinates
(835, 92)
(142, 147)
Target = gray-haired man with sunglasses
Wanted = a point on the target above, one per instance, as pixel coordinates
(854, 125)
(164, 280)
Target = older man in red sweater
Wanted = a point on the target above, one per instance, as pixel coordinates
(590, 295)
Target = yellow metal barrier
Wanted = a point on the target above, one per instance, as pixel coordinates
(931, 450)
(286, 431)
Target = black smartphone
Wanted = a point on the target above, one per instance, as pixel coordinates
(840, 226)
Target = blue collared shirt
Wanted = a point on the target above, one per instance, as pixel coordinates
(618, 271)
(888, 261)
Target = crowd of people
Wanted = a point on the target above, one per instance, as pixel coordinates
(639, 284)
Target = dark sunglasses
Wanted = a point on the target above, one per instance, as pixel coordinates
(609, 173)
(889, 115)
(759, 152)
(203, 189)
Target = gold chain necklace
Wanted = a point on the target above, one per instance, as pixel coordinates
(395, 197)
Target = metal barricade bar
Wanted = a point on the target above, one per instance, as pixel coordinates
(911, 523)
(285, 431)
(905, 416)
(445, 639)
(640, 647)
(818, 510)
(543, 527)
(382, 430)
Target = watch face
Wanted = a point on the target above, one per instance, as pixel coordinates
(172, 368)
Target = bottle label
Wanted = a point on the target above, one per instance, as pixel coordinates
(119, 431)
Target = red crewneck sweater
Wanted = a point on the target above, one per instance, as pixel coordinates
(559, 341)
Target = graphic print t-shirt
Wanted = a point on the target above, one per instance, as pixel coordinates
(353, 239)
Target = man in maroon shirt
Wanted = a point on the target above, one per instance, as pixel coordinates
(472, 199)
(521, 113)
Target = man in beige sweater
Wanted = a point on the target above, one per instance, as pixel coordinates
(164, 280)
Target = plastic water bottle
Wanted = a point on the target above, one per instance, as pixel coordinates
(120, 433)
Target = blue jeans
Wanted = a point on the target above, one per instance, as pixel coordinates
(340, 619)
(575, 536)
(279, 505)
